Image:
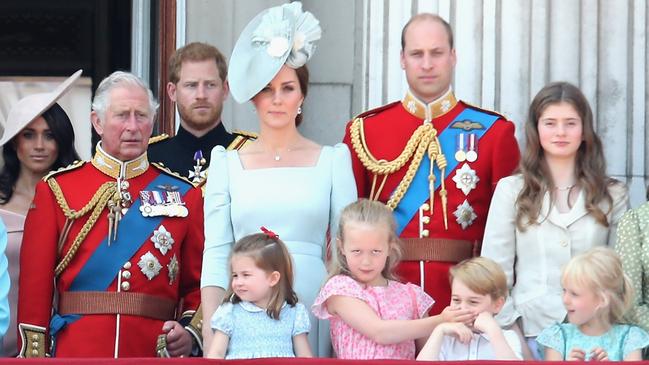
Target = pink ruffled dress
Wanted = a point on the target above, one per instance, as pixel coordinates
(391, 302)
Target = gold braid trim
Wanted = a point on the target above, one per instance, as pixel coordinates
(96, 204)
(404, 184)
(415, 149)
(382, 167)
(423, 140)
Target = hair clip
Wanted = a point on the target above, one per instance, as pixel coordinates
(269, 233)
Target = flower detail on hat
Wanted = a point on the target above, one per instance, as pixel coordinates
(282, 24)
(277, 47)
(273, 33)
(307, 31)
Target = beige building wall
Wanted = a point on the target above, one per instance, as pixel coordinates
(507, 50)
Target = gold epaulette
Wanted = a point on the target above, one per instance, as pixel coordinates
(195, 326)
(158, 138)
(502, 116)
(166, 170)
(241, 139)
(33, 341)
(75, 165)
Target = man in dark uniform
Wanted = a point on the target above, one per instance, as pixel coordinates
(433, 159)
(112, 249)
(198, 86)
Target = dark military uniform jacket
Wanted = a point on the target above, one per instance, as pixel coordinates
(181, 152)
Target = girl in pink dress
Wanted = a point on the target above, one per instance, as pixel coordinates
(372, 315)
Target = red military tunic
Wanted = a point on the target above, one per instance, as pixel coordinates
(386, 132)
(160, 281)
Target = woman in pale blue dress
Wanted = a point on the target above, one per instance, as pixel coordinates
(282, 180)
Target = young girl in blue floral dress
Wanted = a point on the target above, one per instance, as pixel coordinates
(597, 294)
(260, 316)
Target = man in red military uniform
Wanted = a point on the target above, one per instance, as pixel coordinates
(112, 249)
(433, 159)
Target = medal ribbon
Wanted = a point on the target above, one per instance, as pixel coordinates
(104, 264)
(418, 192)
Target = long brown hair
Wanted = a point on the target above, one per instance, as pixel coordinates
(590, 166)
(270, 254)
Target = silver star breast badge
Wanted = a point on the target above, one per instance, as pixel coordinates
(149, 265)
(465, 179)
(162, 239)
(464, 214)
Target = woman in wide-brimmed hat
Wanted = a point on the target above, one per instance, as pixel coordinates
(38, 137)
(283, 181)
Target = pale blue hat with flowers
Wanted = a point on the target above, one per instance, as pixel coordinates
(279, 35)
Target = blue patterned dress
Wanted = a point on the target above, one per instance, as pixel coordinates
(618, 342)
(254, 334)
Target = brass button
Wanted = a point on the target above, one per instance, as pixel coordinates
(425, 233)
(127, 265)
(34, 337)
(425, 219)
(126, 274)
(35, 345)
(126, 285)
(34, 352)
(425, 206)
(199, 326)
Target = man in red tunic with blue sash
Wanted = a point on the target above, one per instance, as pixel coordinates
(433, 159)
(112, 249)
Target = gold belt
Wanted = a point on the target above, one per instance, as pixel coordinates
(438, 249)
(134, 304)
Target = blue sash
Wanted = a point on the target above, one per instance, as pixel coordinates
(102, 267)
(104, 264)
(418, 191)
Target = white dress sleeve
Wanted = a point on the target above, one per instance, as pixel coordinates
(343, 187)
(620, 194)
(499, 243)
(219, 235)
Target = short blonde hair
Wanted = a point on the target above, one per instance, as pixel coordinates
(482, 275)
(374, 213)
(600, 269)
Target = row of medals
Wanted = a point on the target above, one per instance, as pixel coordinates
(466, 179)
